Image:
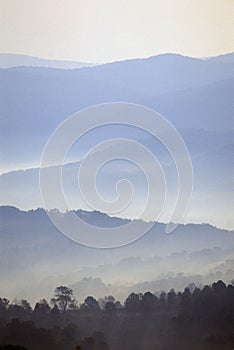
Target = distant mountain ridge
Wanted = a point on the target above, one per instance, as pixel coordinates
(8, 60)
(191, 93)
(194, 94)
(211, 154)
(32, 232)
(226, 58)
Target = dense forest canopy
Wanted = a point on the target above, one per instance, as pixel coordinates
(195, 319)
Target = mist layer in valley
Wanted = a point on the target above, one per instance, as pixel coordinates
(194, 94)
(35, 257)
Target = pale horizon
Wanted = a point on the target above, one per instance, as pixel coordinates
(110, 31)
(114, 61)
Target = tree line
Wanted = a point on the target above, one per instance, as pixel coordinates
(195, 319)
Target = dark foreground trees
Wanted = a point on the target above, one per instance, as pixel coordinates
(12, 347)
(196, 319)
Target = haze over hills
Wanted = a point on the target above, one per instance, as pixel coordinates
(208, 107)
(196, 96)
(191, 93)
(116, 178)
(8, 60)
(37, 257)
(212, 168)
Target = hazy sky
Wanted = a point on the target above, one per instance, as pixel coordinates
(107, 30)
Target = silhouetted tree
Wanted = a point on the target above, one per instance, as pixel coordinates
(42, 307)
(171, 298)
(110, 307)
(41, 313)
(4, 304)
(103, 301)
(64, 298)
(133, 302)
(20, 309)
(149, 302)
(162, 299)
(90, 304)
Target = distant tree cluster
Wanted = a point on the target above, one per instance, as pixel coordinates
(195, 319)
